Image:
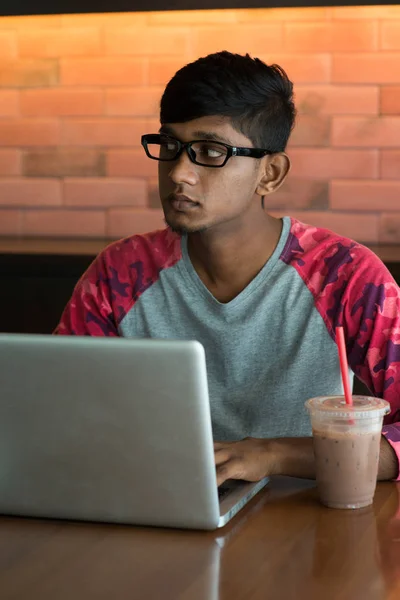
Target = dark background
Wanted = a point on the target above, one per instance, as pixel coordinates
(34, 288)
(41, 7)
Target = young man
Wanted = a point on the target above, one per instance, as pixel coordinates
(263, 295)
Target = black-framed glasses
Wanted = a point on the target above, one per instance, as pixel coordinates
(206, 153)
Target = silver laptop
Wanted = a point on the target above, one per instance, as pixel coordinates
(110, 429)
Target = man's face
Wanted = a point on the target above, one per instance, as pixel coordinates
(214, 195)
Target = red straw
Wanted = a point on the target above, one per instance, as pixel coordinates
(344, 368)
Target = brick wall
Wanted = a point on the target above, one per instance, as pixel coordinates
(76, 93)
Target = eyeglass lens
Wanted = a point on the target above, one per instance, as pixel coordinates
(205, 153)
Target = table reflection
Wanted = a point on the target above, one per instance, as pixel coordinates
(283, 546)
(301, 549)
(345, 555)
(389, 541)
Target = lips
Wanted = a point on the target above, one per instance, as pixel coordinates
(182, 203)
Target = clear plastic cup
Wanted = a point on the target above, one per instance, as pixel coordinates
(346, 447)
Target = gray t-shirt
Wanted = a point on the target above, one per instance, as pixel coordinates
(268, 349)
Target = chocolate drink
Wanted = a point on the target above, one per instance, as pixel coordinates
(347, 466)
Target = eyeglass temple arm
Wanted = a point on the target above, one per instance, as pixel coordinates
(254, 152)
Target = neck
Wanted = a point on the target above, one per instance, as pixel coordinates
(227, 258)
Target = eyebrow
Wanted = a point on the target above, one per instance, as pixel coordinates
(167, 130)
(210, 135)
(199, 135)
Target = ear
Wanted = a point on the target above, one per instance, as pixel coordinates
(274, 172)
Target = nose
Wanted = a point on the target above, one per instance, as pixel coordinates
(183, 170)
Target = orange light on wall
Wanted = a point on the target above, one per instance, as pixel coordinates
(77, 91)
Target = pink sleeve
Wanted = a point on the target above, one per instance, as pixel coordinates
(115, 280)
(371, 317)
(90, 310)
(353, 288)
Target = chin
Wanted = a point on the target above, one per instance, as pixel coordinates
(182, 228)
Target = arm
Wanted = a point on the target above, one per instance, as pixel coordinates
(252, 459)
(90, 311)
(295, 457)
(353, 288)
(357, 291)
(370, 309)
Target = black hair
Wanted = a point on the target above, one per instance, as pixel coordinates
(256, 97)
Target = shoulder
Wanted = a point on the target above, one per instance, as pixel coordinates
(157, 249)
(125, 269)
(316, 251)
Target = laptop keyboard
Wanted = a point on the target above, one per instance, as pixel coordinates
(223, 491)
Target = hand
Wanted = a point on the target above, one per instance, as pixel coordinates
(249, 459)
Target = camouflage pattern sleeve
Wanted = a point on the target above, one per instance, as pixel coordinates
(115, 280)
(371, 316)
(353, 288)
(89, 311)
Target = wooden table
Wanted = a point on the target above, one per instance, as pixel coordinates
(283, 546)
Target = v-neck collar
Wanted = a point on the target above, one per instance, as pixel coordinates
(260, 278)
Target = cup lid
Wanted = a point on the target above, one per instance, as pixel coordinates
(364, 407)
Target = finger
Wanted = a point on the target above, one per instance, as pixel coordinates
(232, 469)
(220, 478)
(219, 445)
(222, 456)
